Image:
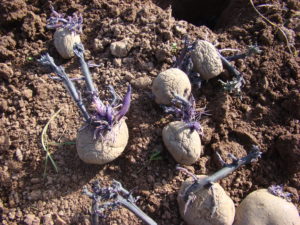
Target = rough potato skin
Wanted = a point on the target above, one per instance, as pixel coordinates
(171, 80)
(206, 209)
(261, 207)
(206, 60)
(64, 41)
(183, 144)
(100, 152)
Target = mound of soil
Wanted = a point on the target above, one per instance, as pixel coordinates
(267, 114)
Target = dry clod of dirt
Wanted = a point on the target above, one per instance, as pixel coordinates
(119, 48)
(261, 207)
(31, 219)
(102, 150)
(64, 41)
(288, 147)
(206, 60)
(142, 82)
(168, 82)
(183, 143)
(5, 71)
(47, 219)
(211, 206)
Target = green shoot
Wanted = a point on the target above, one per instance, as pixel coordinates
(45, 144)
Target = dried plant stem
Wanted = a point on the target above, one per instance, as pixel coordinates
(274, 25)
(45, 143)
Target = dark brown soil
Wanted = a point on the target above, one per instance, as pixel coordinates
(267, 115)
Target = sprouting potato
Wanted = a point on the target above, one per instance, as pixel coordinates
(206, 60)
(263, 208)
(168, 82)
(101, 150)
(183, 143)
(207, 206)
(64, 41)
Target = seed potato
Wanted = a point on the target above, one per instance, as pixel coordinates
(183, 144)
(98, 151)
(64, 41)
(212, 206)
(171, 80)
(206, 60)
(263, 208)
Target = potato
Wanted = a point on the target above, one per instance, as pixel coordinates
(101, 151)
(212, 206)
(170, 81)
(263, 208)
(183, 144)
(64, 41)
(206, 60)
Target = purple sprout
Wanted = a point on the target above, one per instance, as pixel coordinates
(277, 190)
(185, 110)
(106, 199)
(227, 169)
(58, 20)
(105, 116)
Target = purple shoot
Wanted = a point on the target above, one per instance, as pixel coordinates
(110, 198)
(125, 105)
(58, 20)
(222, 173)
(107, 116)
(277, 190)
(185, 110)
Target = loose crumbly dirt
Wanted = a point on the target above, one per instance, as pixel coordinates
(268, 114)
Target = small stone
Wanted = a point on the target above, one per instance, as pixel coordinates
(27, 93)
(119, 48)
(29, 219)
(19, 155)
(35, 195)
(179, 30)
(142, 82)
(117, 62)
(129, 76)
(12, 215)
(98, 46)
(47, 219)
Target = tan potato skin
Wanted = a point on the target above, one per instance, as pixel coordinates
(206, 60)
(263, 208)
(171, 80)
(206, 209)
(64, 41)
(183, 144)
(100, 152)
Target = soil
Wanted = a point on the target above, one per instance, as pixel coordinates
(267, 115)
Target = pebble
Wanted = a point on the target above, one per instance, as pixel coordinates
(119, 48)
(142, 82)
(19, 155)
(117, 62)
(27, 93)
(30, 219)
(47, 219)
(129, 76)
(35, 195)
